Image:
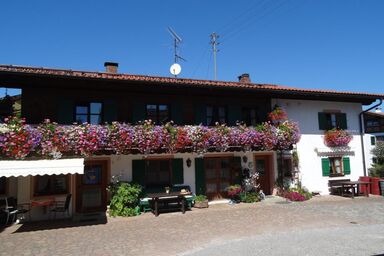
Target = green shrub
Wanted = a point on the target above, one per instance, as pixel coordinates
(200, 198)
(249, 197)
(125, 200)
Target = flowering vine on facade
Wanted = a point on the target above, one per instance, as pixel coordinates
(19, 140)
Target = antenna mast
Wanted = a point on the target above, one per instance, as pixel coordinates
(175, 68)
(214, 43)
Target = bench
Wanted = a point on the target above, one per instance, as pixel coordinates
(335, 187)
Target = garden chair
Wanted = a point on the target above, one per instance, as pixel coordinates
(62, 206)
(8, 209)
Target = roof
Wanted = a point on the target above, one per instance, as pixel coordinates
(67, 73)
(375, 114)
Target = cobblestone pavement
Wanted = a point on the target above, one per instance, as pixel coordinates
(175, 233)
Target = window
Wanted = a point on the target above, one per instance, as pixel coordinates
(158, 172)
(51, 185)
(373, 140)
(89, 113)
(249, 116)
(158, 113)
(379, 138)
(3, 184)
(336, 166)
(328, 121)
(216, 114)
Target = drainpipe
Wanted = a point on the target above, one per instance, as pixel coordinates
(362, 132)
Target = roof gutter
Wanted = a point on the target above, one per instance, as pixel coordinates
(362, 132)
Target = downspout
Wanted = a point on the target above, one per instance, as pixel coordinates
(362, 132)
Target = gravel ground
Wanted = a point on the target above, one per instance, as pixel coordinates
(273, 226)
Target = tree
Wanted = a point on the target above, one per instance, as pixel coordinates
(377, 169)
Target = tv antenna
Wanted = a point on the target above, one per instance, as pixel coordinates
(175, 69)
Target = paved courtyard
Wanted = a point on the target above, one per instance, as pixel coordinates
(263, 228)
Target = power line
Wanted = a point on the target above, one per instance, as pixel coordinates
(254, 20)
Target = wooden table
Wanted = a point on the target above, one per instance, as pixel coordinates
(354, 185)
(171, 200)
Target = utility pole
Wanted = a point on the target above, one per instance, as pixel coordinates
(214, 43)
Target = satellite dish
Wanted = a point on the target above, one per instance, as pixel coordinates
(175, 69)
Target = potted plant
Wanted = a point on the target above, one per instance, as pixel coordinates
(201, 201)
(233, 192)
(337, 138)
(277, 115)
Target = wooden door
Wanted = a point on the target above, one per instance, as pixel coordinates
(91, 194)
(263, 166)
(218, 176)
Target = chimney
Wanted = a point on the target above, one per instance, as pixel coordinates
(244, 78)
(111, 67)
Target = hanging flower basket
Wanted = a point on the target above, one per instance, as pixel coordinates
(278, 114)
(337, 138)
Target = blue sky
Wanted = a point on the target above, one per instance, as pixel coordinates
(323, 44)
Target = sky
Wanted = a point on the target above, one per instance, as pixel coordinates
(316, 44)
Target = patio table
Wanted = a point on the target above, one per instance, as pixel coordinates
(176, 199)
(43, 202)
(354, 185)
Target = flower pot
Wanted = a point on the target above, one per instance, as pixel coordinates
(201, 204)
(363, 188)
(375, 188)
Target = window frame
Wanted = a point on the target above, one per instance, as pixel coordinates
(51, 191)
(332, 119)
(332, 167)
(89, 113)
(215, 117)
(246, 116)
(158, 161)
(156, 120)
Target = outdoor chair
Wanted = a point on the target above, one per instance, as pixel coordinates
(8, 210)
(62, 206)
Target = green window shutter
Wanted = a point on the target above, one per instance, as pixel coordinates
(373, 140)
(201, 114)
(346, 166)
(237, 177)
(341, 120)
(65, 111)
(323, 124)
(234, 114)
(177, 171)
(110, 111)
(177, 113)
(325, 166)
(200, 176)
(138, 112)
(138, 172)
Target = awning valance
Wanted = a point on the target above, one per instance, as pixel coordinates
(41, 167)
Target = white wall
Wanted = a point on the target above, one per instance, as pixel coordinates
(305, 112)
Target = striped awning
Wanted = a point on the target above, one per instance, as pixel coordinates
(17, 168)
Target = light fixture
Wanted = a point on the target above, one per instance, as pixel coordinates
(189, 162)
